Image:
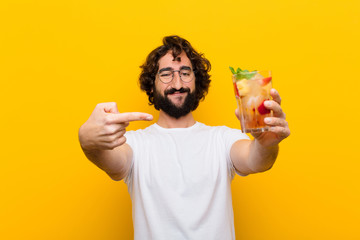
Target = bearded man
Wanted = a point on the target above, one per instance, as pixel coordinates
(179, 171)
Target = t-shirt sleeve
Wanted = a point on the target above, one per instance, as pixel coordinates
(131, 141)
(230, 137)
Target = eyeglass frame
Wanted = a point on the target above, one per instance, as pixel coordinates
(173, 74)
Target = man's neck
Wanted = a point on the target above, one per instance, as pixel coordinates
(167, 121)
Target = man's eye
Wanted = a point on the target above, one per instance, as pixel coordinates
(165, 74)
(185, 73)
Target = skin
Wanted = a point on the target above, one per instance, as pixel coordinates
(102, 135)
(178, 99)
(260, 154)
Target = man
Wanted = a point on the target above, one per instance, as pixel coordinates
(178, 170)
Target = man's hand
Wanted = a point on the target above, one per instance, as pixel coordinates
(260, 155)
(279, 128)
(105, 128)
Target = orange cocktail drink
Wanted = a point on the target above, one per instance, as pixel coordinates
(251, 90)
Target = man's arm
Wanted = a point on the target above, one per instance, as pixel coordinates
(250, 157)
(103, 142)
(116, 162)
(260, 154)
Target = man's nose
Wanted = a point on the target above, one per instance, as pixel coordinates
(177, 82)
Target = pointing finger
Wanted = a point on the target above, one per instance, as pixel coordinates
(129, 117)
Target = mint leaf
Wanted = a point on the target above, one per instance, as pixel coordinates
(248, 75)
(242, 74)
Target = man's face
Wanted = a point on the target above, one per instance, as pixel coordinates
(176, 98)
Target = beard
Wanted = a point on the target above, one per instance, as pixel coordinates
(164, 103)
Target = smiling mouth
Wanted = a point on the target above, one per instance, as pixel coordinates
(177, 93)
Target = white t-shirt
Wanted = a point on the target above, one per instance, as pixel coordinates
(180, 182)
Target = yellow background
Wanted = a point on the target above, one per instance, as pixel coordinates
(58, 59)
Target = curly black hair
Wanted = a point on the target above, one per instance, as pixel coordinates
(176, 45)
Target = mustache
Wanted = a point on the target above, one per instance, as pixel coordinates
(173, 90)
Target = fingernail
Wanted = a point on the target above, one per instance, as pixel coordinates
(149, 118)
(267, 120)
(267, 103)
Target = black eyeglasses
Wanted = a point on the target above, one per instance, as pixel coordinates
(186, 75)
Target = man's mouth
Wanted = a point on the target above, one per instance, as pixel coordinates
(175, 92)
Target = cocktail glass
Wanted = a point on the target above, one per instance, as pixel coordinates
(251, 90)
